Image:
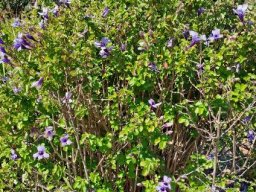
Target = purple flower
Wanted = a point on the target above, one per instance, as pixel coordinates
(4, 58)
(21, 43)
(44, 13)
(65, 2)
(103, 43)
(14, 156)
(153, 67)
(105, 52)
(42, 24)
(246, 119)
(65, 141)
(196, 38)
(164, 185)
(2, 50)
(167, 179)
(49, 133)
(251, 135)
(16, 90)
(5, 79)
(105, 49)
(30, 37)
(215, 35)
(200, 68)
(161, 189)
(67, 98)
(244, 186)
(152, 104)
(105, 12)
(41, 154)
(186, 34)
(240, 11)
(200, 11)
(123, 47)
(210, 156)
(16, 22)
(1, 41)
(170, 43)
(38, 84)
(167, 125)
(55, 11)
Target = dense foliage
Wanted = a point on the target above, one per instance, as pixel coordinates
(134, 95)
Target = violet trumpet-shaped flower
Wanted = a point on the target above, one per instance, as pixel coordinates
(41, 154)
(105, 49)
(244, 186)
(105, 52)
(44, 13)
(65, 2)
(4, 58)
(1, 41)
(105, 12)
(30, 37)
(65, 140)
(67, 98)
(186, 34)
(103, 43)
(161, 189)
(38, 84)
(200, 68)
(167, 179)
(152, 66)
(16, 22)
(14, 156)
(170, 43)
(4, 79)
(42, 24)
(21, 43)
(246, 120)
(167, 125)
(2, 50)
(16, 90)
(196, 38)
(200, 11)
(215, 35)
(153, 105)
(210, 156)
(49, 133)
(165, 185)
(55, 11)
(123, 47)
(166, 128)
(240, 11)
(251, 135)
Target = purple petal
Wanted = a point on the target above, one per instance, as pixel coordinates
(41, 148)
(151, 102)
(35, 155)
(105, 12)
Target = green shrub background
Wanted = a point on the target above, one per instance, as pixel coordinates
(118, 143)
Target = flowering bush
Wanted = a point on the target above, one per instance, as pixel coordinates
(128, 96)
